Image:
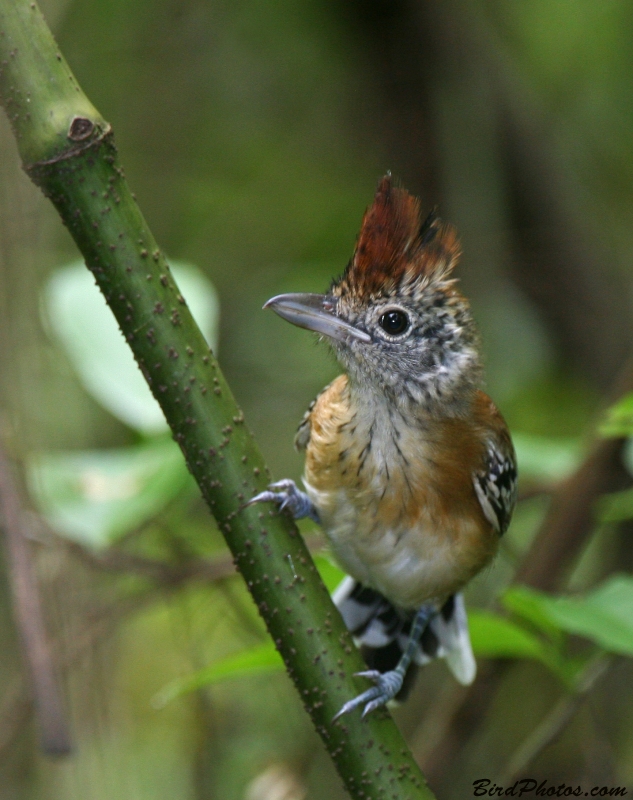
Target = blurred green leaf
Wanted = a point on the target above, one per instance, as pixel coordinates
(263, 658)
(95, 497)
(494, 636)
(619, 418)
(525, 603)
(546, 459)
(604, 615)
(80, 318)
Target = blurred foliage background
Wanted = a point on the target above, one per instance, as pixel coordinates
(253, 134)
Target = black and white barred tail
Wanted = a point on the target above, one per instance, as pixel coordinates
(382, 632)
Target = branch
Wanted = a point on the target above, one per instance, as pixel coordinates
(27, 611)
(66, 650)
(554, 723)
(116, 560)
(68, 150)
(161, 572)
(571, 519)
(15, 710)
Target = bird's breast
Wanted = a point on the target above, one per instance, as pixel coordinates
(400, 512)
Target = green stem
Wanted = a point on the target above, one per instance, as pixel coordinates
(69, 152)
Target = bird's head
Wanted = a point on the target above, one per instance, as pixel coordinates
(395, 318)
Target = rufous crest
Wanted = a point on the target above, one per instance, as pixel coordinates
(397, 246)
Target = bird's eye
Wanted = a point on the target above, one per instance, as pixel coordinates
(394, 322)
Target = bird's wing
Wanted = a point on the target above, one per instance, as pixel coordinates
(496, 482)
(302, 436)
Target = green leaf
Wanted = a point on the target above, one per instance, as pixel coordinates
(494, 636)
(257, 660)
(619, 418)
(95, 497)
(78, 315)
(526, 603)
(604, 615)
(546, 459)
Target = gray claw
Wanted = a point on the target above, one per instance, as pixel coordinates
(388, 684)
(262, 497)
(287, 497)
(365, 697)
(373, 675)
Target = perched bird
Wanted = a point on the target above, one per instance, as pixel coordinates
(409, 467)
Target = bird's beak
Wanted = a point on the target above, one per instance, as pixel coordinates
(316, 312)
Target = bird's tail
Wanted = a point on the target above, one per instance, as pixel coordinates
(382, 632)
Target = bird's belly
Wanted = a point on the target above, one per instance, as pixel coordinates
(409, 561)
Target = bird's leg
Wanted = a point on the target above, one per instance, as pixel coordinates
(388, 684)
(287, 497)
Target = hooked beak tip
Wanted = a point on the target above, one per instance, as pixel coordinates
(316, 313)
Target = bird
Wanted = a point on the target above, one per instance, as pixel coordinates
(409, 467)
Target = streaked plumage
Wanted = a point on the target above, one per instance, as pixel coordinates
(397, 497)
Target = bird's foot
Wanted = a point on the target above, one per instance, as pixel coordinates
(288, 498)
(388, 684)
